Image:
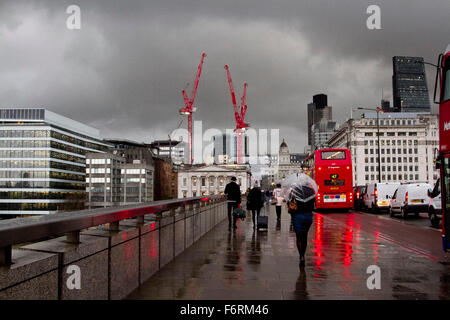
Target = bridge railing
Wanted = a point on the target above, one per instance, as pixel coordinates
(186, 219)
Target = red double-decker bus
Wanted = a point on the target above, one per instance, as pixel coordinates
(443, 74)
(332, 171)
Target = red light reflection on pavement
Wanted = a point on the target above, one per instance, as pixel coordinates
(348, 241)
(375, 247)
(318, 244)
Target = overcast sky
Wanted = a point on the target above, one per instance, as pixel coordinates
(123, 72)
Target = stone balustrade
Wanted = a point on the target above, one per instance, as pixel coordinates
(105, 261)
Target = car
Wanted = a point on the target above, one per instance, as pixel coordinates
(410, 198)
(359, 192)
(435, 205)
(378, 195)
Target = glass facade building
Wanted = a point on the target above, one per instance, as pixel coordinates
(42, 161)
(114, 179)
(409, 85)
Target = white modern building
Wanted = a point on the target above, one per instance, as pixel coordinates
(408, 147)
(43, 161)
(195, 181)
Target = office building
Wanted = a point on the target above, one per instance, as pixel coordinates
(409, 144)
(321, 132)
(176, 151)
(409, 85)
(43, 161)
(225, 149)
(297, 158)
(386, 106)
(124, 175)
(166, 179)
(318, 110)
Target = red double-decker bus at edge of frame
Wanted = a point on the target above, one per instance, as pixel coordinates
(444, 143)
(333, 173)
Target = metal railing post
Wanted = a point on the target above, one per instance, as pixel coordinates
(73, 237)
(114, 226)
(6, 255)
(140, 220)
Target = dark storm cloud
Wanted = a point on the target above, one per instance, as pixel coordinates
(124, 70)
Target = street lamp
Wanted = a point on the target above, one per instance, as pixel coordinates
(378, 133)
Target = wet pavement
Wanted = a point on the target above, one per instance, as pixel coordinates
(248, 264)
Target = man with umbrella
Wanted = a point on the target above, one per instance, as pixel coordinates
(301, 191)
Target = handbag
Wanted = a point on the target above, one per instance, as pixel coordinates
(239, 213)
(273, 201)
(292, 208)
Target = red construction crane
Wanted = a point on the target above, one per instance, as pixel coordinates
(239, 116)
(189, 108)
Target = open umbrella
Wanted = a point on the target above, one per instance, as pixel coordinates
(300, 187)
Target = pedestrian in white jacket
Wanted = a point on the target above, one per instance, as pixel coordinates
(277, 196)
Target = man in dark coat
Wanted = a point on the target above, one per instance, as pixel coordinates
(255, 201)
(233, 192)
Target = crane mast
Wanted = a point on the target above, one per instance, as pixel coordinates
(189, 109)
(238, 115)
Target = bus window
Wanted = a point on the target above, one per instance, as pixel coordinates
(447, 181)
(333, 155)
(446, 95)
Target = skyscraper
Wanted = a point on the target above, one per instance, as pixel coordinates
(225, 148)
(409, 85)
(320, 100)
(386, 105)
(318, 110)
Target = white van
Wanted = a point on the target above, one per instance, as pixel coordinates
(435, 205)
(411, 197)
(378, 195)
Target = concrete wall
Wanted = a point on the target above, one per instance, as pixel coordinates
(108, 264)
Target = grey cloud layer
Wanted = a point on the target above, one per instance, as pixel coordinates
(123, 72)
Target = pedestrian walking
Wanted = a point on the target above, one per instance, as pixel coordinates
(277, 196)
(233, 192)
(302, 196)
(268, 198)
(255, 203)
